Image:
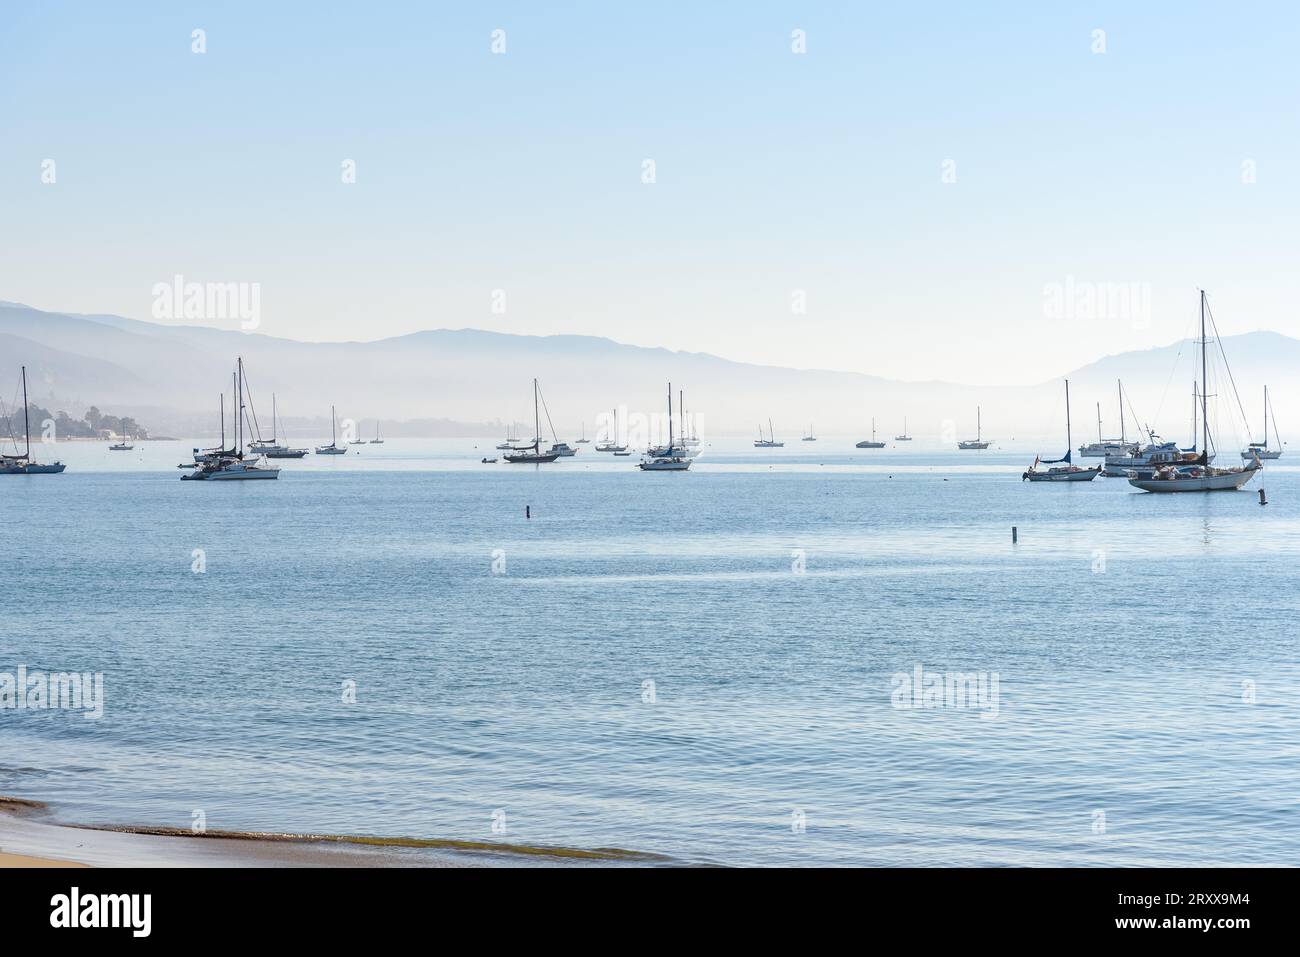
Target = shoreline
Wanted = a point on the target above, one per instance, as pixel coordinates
(29, 837)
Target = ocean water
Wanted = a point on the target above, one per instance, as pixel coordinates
(704, 666)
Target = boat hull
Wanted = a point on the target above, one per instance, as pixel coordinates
(32, 469)
(1221, 482)
(1073, 475)
(972, 445)
(870, 445)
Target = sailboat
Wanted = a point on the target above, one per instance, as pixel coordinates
(333, 448)
(1064, 470)
(809, 437)
(669, 458)
(359, 440)
(1200, 476)
(376, 440)
(679, 446)
(1143, 460)
(1114, 447)
(124, 443)
(23, 464)
(904, 437)
(611, 440)
(533, 454)
(688, 439)
(1261, 450)
(584, 440)
(228, 466)
(271, 447)
(770, 442)
(872, 443)
(979, 442)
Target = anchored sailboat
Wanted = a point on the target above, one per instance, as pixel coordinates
(1199, 476)
(904, 437)
(1104, 447)
(271, 447)
(770, 442)
(1063, 470)
(809, 437)
(533, 454)
(611, 440)
(979, 442)
(227, 466)
(376, 440)
(1260, 449)
(23, 464)
(333, 448)
(669, 458)
(872, 444)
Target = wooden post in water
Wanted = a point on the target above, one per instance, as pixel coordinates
(528, 511)
(1262, 499)
(1013, 535)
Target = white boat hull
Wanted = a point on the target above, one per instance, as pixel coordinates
(1220, 481)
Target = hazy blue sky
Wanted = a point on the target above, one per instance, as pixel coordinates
(775, 171)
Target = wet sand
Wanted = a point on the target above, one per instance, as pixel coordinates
(30, 837)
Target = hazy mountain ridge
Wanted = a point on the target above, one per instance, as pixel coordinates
(466, 381)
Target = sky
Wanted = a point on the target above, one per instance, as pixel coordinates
(979, 193)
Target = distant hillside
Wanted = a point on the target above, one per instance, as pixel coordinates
(467, 381)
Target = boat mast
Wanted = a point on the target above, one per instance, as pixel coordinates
(537, 422)
(333, 437)
(977, 424)
(1120, 388)
(1099, 438)
(27, 425)
(1265, 416)
(670, 418)
(1068, 438)
(1205, 387)
(237, 402)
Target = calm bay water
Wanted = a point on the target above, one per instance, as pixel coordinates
(1125, 629)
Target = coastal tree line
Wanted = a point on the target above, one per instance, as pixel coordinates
(89, 426)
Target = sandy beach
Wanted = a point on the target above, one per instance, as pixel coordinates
(31, 837)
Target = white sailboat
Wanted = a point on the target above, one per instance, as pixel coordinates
(1261, 450)
(229, 466)
(770, 442)
(611, 440)
(1104, 447)
(871, 443)
(333, 448)
(376, 440)
(810, 437)
(904, 437)
(1063, 470)
(669, 458)
(271, 447)
(584, 440)
(533, 454)
(979, 442)
(23, 464)
(1199, 476)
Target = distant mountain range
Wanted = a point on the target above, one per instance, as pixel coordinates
(472, 382)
